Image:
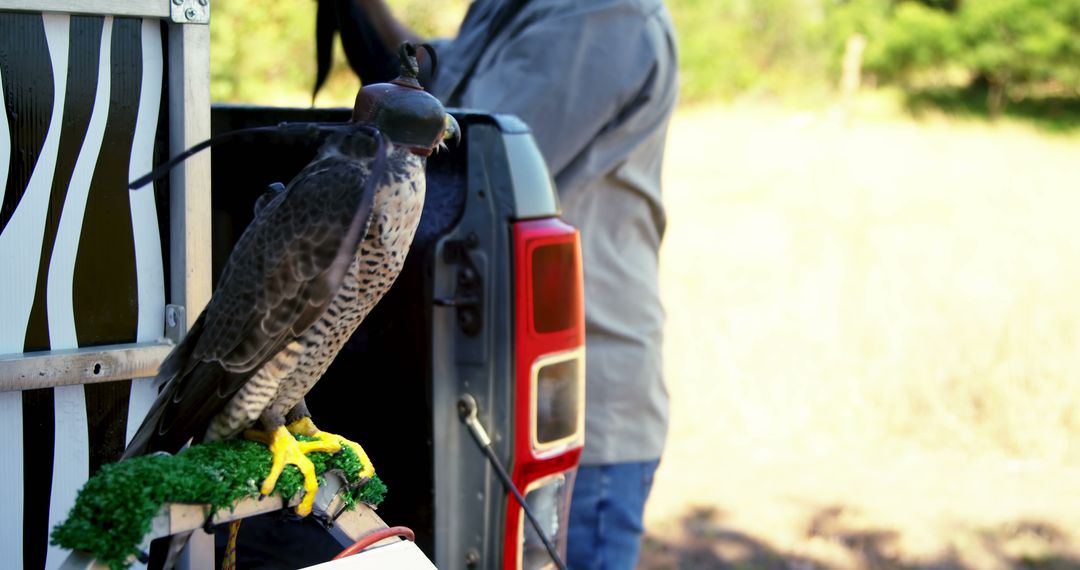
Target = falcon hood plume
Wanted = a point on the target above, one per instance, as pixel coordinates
(318, 256)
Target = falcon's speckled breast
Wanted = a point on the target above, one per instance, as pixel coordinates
(286, 378)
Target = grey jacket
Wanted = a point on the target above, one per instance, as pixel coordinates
(596, 80)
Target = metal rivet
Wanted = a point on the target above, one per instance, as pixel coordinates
(191, 14)
(466, 277)
(466, 319)
(178, 2)
(204, 2)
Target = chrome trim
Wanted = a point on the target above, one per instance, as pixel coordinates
(534, 188)
(189, 183)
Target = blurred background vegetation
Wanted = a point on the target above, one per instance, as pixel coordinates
(979, 57)
(267, 55)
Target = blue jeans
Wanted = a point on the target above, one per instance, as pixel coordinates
(606, 515)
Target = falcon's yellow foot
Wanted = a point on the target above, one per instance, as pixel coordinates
(304, 426)
(285, 450)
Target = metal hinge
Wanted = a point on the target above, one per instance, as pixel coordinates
(469, 291)
(189, 11)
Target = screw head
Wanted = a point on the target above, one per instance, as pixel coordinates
(178, 2)
(466, 277)
(204, 2)
(191, 14)
(467, 319)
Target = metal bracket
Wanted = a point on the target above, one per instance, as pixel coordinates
(469, 294)
(175, 323)
(189, 11)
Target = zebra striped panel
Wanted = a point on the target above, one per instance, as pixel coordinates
(80, 254)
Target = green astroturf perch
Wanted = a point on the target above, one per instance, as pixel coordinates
(115, 509)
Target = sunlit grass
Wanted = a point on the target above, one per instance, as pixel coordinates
(917, 280)
(879, 313)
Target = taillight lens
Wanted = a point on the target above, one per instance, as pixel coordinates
(549, 500)
(558, 401)
(555, 303)
(550, 394)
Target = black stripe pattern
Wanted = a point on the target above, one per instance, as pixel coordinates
(105, 285)
(28, 97)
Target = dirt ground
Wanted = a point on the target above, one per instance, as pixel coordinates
(871, 348)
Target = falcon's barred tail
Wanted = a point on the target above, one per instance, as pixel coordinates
(174, 365)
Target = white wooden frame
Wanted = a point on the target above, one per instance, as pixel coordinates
(188, 84)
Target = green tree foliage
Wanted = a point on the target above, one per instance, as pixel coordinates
(1015, 48)
(913, 39)
(1021, 44)
(264, 52)
(727, 47)
(1010, 49)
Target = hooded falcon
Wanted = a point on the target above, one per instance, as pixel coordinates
(317, 257)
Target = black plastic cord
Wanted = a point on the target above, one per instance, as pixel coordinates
(299, 128)
(466, 409)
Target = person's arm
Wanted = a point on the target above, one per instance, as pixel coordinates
(567, 76)
(391, 33)
(391, 30)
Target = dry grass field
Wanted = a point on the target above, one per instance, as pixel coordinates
(873, 345)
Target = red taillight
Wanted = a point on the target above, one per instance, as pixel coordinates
(555, 304)
(550, 377)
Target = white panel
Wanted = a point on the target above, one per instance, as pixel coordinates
(11, 471)
(71, 461)
(59, 291)
(402, 555)
(71, 457)
(20, 255)
(20, 244)
(5, 145)
(148, 263)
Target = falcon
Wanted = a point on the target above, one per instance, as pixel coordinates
(317, 257)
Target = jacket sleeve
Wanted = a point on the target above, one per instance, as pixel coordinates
(568, 75)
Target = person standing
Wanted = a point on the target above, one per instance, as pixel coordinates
(596, 81)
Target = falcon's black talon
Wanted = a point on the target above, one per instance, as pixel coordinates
(142, 556)
(287, 513)
(323, 518)
(208, 524)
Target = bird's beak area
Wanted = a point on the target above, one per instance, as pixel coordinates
(452, 131)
